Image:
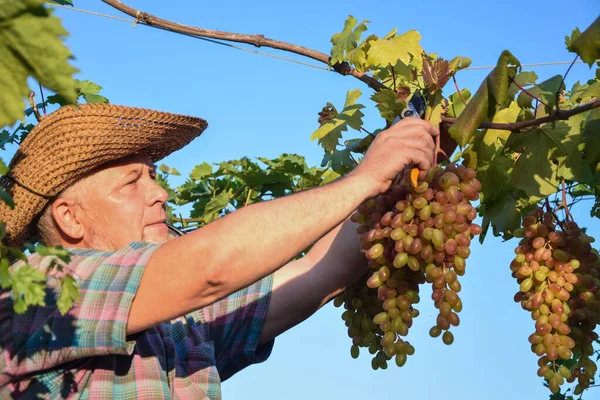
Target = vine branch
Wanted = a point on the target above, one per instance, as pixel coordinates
(344, 68)
(517, 126)
(36, 112)
(255, 40)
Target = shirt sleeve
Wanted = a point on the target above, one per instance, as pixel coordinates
(235, 324)
(96, 324)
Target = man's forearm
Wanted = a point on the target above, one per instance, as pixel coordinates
(254, 241)
(303, 286)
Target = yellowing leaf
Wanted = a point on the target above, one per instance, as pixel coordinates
(385, 52)
(330, 132)
(347, 40)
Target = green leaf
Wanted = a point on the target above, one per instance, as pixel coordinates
(287, 164)
(524, 79)
(329, 176)
(89, 90)
(200, 171)
(592, 91)
(3, 168)
(164, 168)
(5, 197)
(545, 91)
(63, 2)
(546, 155)
(458, 63)
(502, 214)
(387, 103)
(216, 204)
(492, 93)
(330, 132)
(28, 287)
(591, 139)
(457, 105)
(69, 294)
(339, 161)
(4, 274)
(347, 40)
(587, 45)
(31, 45)
(385, 52)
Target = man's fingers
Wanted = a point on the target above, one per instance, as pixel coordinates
(433, 131)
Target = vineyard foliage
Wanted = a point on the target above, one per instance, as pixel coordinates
(554, 163)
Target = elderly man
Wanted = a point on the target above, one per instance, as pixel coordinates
(161, 318)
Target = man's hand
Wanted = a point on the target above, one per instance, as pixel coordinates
(410, 141)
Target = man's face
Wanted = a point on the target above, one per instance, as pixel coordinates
(122, 203)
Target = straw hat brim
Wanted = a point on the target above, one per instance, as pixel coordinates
(73, 141)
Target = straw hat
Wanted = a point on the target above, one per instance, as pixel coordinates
(73, 141)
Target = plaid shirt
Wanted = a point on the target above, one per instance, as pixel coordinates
(86, 354)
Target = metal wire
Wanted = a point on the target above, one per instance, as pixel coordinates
(133, 22)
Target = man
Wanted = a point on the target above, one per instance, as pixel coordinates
(161, 318)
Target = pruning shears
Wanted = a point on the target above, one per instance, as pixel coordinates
(415, 108)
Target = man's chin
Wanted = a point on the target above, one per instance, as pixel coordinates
(157, 233)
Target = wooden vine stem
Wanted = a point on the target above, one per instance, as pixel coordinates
(344, 69)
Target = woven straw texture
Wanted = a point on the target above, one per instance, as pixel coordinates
(73, 141)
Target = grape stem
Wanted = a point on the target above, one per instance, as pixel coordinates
(564, 201)
(438, 150)
(458, 90)
(530, 94)
(549, 209)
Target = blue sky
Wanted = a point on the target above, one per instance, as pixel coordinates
(259, 106)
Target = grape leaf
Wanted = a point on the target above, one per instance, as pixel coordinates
(5, 197)
(524, 79)
(387, 103)
(502, 214)
(63, 2)
(287, 163)
(330, 132)
(592, 91)
(200, 171)
(490, 162)
(171, 194)
(28, 288)
(492, 93)
(385, 52)
(546, 91)
(436, 74)
(167, 170)
(546, 155)
(591, 140)
(586, 44)
(3, 167)
(439, 106)
(215, 205)
(31, 45)
(347, 40)
(69, 294)
(458, 63)
(457, 105)
(339, 161)
(4, 274)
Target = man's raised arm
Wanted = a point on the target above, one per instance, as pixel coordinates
(233, 252)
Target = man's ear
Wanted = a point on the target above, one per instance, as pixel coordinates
(66, 217)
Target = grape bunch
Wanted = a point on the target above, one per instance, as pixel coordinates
(417, 232)
(558, 274)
